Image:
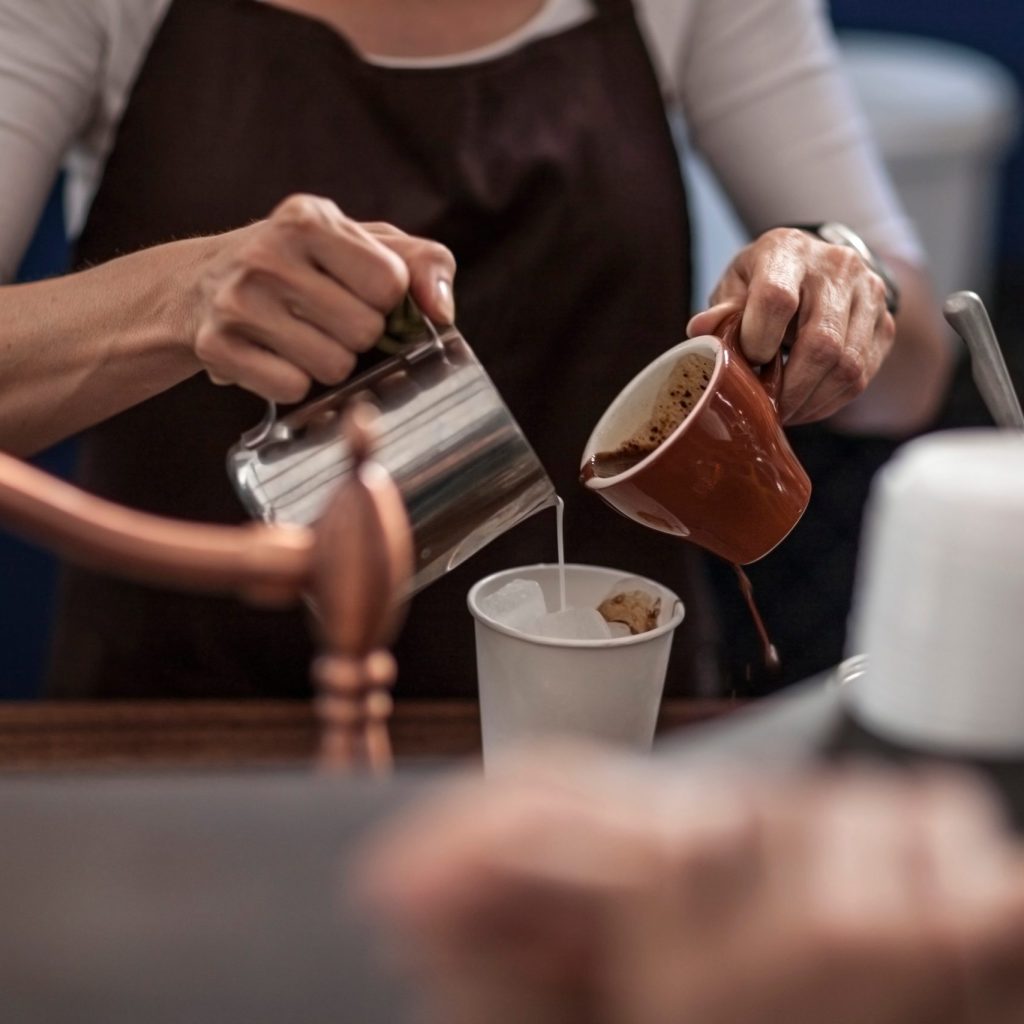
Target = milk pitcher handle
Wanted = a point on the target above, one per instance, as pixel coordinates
(408, 335)
(770, 374)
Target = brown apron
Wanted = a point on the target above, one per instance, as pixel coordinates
(551, 174)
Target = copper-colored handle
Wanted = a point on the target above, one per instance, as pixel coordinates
(366, 529)
(770, 374)
(264, 564)
(357, 560)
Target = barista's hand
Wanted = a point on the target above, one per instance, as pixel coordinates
(294, 298)
(820, 299)
(589, 894)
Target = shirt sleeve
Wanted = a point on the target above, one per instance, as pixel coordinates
(767, 105)
(51, 59)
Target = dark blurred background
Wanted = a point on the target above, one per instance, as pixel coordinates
(803, 588)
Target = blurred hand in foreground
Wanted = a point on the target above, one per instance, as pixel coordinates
(596, 892)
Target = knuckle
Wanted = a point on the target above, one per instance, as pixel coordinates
(209, 345)
(447, 260)
(365, 331)
(435, 252)
(851, 369)
(876, 289)
(292, 388)
(301, 212)
(259, 257)
(336, 366)
(228, 308)
(823, 344)
(887, 327)
(779, 299)
(845, 261)
(393, 284)
(788, 237)
(383, 228)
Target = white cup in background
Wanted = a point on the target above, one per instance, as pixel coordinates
(532, 686)
(939, 604)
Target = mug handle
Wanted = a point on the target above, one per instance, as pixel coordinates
(770, 374)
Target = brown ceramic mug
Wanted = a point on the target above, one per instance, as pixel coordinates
(725, 478)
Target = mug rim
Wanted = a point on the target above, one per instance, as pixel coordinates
(598, 483)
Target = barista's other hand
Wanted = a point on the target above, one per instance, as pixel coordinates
(823, 301)
(294, 298)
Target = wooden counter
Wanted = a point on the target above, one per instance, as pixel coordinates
(115, 734)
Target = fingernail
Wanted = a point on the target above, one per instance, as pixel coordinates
(445, 300)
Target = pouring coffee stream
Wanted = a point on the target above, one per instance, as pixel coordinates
(609, 464)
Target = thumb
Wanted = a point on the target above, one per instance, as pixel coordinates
(431, 275)
(707, 321)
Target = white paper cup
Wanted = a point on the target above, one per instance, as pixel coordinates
(532, 686)
(939, 604)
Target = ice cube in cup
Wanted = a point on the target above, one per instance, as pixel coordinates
(573, 624)
(518, 605)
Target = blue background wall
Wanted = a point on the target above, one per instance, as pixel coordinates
(26, 582)
(995, 27)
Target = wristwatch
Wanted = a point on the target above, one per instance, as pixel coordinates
(839, 234)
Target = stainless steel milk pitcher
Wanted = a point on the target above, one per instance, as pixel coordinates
(464, 468)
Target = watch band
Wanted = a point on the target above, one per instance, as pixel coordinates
(839, 234)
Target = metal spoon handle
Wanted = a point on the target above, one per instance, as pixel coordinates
(967, 315)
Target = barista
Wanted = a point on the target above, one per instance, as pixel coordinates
(499, 130)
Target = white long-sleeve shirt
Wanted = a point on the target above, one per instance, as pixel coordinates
(757, 82)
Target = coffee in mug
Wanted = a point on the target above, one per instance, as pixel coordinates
(693, 446)
(676, 399)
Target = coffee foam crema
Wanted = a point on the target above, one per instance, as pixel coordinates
(679, 393)
(676, 398)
